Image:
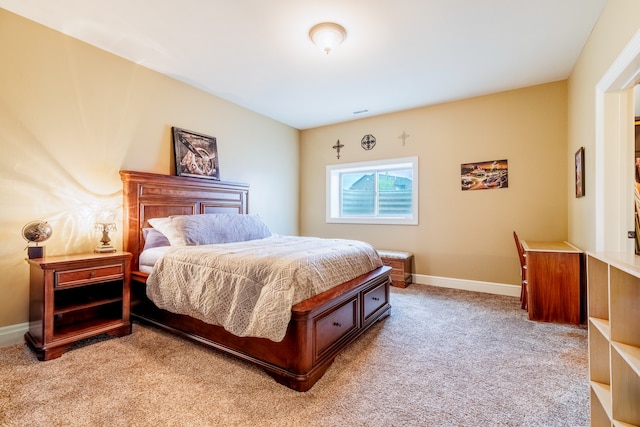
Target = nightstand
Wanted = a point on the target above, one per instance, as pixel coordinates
(75, 297)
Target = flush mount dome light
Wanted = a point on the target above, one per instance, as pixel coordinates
(327, 36)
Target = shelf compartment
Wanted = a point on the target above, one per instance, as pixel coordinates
(600, 404)
(76, 321)
(617, 423)
(630, 354)
(599, 352)
(602, 325)
(78, 298)
(83, 306)
(625, 297)
(86, 329)
(625, 383)
(598, 289)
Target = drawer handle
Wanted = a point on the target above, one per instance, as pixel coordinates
(375, 298)
(339, 325)
(92, 273)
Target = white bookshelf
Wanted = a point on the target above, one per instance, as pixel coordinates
(614, 338)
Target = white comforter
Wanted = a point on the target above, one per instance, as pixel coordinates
(250, 287)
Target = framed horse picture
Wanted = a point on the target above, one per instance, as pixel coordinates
(195, 154)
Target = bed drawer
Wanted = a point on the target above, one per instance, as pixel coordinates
(373, 299)
(331, 326)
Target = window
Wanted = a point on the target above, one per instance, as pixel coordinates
(380, 192)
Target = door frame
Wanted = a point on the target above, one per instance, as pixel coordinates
(614, 148)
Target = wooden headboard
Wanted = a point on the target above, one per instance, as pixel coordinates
(149, 195)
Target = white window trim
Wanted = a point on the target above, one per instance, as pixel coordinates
(332, 197)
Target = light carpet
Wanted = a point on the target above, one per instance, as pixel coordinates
(443, 358)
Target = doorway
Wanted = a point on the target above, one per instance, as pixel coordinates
(615, 147)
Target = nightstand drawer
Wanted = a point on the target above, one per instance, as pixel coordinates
(83, 276)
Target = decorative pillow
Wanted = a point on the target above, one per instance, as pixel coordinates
(164, 226)
(154, 239)
(208, 229)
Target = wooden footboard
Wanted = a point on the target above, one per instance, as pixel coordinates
(319, 329)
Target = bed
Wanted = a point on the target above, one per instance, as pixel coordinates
(320, 327)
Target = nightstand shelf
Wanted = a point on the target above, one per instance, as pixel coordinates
(86, 329)
(76, 307)
(85, 297)
(77, 297)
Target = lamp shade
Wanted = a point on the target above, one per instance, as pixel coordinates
(327, 36)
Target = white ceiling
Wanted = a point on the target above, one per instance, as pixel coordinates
(399, 54)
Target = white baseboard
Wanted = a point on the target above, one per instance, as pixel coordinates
(468, 285)
(13, 334)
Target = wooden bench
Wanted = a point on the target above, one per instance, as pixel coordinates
(401, 264)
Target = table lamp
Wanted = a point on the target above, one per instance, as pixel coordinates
(104, 224)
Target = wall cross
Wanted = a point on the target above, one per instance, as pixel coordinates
(404, 137)
(337, 147)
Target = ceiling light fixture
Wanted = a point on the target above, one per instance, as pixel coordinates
(327, 36)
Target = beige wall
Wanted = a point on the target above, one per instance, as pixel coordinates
(461, 234)
(618, 23)
(72, 116)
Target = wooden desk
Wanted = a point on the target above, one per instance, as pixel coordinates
(555, 282)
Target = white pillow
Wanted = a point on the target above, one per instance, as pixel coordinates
(165, 226)
(208, 229)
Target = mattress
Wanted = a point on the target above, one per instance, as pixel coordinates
(249, 287)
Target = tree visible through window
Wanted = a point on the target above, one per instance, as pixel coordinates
(373, 192)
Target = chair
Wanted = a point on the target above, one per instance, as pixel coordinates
(523, 271)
